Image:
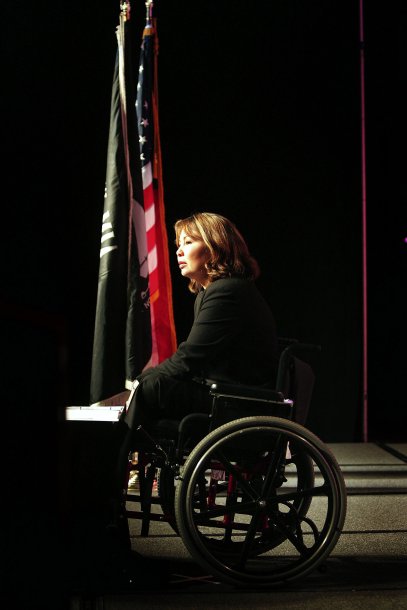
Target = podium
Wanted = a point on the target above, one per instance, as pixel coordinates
(90, 440)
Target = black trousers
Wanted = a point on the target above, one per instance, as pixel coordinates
(162, 397)
(157, 397)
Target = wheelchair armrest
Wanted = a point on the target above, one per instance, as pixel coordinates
(235, 390)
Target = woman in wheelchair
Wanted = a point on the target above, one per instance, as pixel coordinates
(248, 505)
(233, 336)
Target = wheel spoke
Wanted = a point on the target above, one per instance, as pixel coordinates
(295, 535)
(248, 541)
(222, 510)
(231, 469)
(273, 469)
(313, 492)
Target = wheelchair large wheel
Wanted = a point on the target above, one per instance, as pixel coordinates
(248, 507)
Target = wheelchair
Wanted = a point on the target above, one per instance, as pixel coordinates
(258, 500)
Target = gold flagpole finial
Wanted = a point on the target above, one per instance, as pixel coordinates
(149, 12)
(125, 10)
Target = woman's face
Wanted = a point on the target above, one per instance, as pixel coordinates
(192, 255)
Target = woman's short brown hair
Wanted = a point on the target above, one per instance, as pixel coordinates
(228, 252)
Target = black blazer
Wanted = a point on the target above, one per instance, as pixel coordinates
(233, 337)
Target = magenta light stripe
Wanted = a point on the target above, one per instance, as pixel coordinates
(364, 231)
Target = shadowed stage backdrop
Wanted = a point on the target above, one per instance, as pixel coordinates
(260, 121)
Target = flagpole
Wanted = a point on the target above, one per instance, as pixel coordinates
(364, 222)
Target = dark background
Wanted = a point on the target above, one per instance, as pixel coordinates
(260, 121)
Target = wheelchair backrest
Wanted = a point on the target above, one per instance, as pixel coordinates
(296, 378)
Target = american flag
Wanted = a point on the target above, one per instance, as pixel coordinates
(162, 321)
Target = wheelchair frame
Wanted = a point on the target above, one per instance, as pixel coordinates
(258, 500)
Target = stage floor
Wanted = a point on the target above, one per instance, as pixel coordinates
(367, 568)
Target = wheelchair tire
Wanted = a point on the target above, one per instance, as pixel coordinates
(272, 521)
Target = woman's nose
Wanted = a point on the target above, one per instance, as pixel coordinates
(179, 251)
